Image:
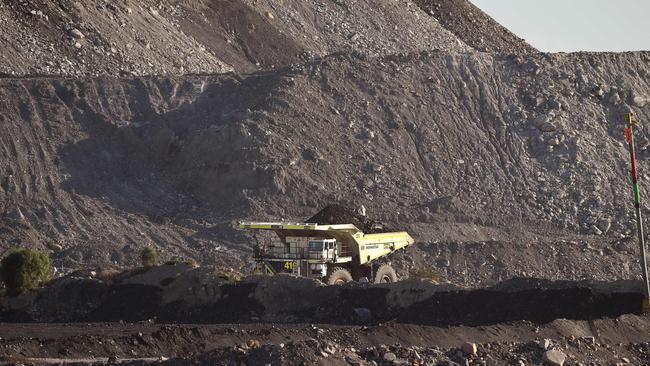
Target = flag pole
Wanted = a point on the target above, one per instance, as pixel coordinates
(629, 137)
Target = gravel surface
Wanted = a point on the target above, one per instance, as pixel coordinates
(164, 122)
(474, 27)
(154, 37)
(603, 342)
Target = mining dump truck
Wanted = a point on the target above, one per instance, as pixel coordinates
(334, 254)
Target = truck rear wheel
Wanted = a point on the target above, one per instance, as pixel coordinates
(338, 276)
(385, 274)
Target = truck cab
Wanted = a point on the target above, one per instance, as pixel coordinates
(324, 249)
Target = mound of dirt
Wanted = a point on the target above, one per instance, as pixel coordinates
(462, 149)
(90, 38)
(468, 148)
(539, 305)
(201, 296)
(153, 37)
(339, 214)
(501, 163)
(474, 27)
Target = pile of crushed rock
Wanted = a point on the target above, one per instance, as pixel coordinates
(339, 214)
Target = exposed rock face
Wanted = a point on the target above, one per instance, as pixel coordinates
(163, 122)
(203, 36)
(123, 162)
(512, 153)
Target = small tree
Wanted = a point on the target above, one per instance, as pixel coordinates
(23, 270)
(149, 256)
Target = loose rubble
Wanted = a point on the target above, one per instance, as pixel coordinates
(164, 123)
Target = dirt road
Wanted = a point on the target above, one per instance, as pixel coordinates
(613, 338)
(279, 320)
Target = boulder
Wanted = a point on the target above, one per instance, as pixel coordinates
(547, 127)
(591, 340)
(595, 230)
(638, 100)
(469, 348)
(390, 357)
(76, 33)
(545, 344)
(253, 343)
(554, 357)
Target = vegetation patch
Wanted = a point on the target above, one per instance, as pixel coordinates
(23, 270)
(149, 256)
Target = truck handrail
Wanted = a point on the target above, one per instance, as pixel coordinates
(296, 226)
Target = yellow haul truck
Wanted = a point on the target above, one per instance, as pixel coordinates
(334, 254)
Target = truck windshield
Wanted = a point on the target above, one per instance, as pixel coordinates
(315, 246)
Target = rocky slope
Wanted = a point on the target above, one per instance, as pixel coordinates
(84, 38)
(500, 164)
(453, 147)
(91, 38)
(164, 122)
(474, 27)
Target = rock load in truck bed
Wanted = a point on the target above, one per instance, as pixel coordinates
(339, 214)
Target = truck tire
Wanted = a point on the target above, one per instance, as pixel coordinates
(338, 276)
(385, 274)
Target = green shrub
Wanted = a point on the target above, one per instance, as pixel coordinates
(23, 270)
(149, 256)
(108, 274)
(176, 261)
(191, 262)
(229, 276)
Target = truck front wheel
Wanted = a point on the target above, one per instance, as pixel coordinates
(338, 276)
(385, 274)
